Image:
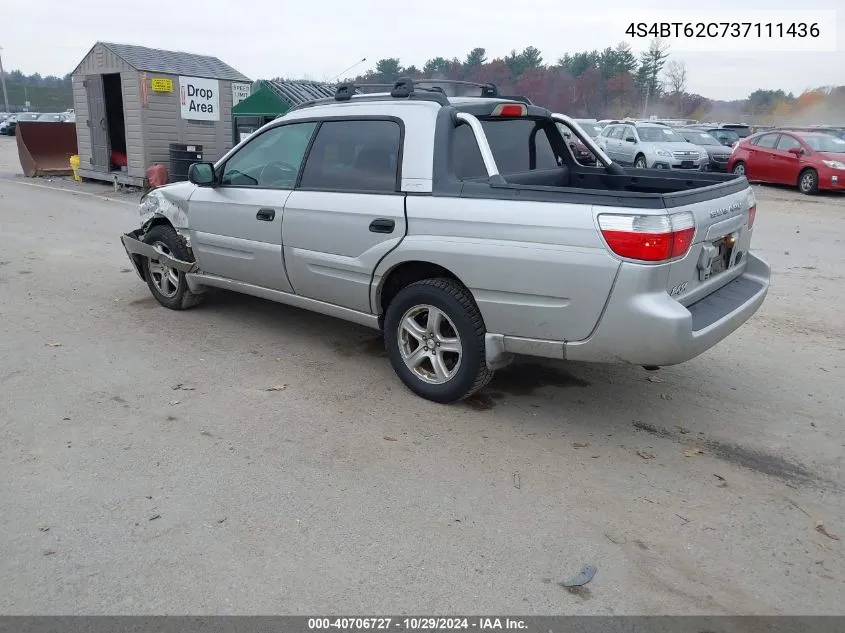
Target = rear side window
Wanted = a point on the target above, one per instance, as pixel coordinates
(466, 157)
(354, 156)
(787, 143)
(515, 142)
(518, 145)
(767, 140)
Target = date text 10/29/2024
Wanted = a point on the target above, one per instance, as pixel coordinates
(415, 624)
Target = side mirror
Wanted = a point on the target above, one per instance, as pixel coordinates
(201, 174)
(630, 139)
(796, 151)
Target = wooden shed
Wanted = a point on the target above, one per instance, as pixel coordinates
(135, 106)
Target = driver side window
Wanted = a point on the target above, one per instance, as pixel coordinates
(270, 160)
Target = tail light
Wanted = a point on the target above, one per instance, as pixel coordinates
(752, 214)
(510, 109)
(649, 238)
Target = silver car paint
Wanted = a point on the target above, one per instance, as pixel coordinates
(536, 269)
(625, 152)
(330, 252)
(543, 278)
(228, 239)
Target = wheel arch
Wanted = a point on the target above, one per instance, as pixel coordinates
(402, 274)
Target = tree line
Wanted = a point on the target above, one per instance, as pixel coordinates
(614, 82)
(609, 82)
(36, 80)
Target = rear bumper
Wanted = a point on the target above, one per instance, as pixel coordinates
(651, 328)
(643, 325)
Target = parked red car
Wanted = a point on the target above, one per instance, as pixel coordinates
(809, 160)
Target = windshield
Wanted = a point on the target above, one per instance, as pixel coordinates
(700, 138)
(659, 135)
(825, 143)
(590, 127)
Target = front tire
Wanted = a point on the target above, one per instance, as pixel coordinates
(168, 285)
(434, 335)
(808, 181)
(640, 162)
(739, 169)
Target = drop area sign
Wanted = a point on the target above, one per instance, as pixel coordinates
(199, 98)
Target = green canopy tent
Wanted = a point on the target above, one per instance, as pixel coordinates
(270, 99)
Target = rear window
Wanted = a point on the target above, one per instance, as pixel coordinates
(741, 130)
(725, 135)
(513, 142)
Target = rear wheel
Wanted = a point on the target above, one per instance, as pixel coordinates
(434, 335)
(808, 181)
(739, 168)
(168, 285)
(640, 162)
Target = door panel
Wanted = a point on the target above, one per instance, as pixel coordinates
(331, 250)
(785, 166)
(611, 147)
(97, 123)
(627, 151)
(760, 164)
(237, 226)
(229, 239)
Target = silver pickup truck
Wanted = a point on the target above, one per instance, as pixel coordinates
(464, 230)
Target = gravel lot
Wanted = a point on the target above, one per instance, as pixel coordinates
(124, 494)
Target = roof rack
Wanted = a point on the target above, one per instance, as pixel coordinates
(435, 90)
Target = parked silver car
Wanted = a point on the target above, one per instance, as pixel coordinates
(650, 145)
(464, 230)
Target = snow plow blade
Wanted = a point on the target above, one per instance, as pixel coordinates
(45, 148)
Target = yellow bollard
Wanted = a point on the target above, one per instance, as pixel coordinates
(74, 165)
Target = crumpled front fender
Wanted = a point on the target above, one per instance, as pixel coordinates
(138, 250)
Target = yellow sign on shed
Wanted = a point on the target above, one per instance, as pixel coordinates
(161, 84)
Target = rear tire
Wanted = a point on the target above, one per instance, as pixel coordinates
(640, 162)
(168, 285)
(434, 335)
(808, 181)
(739, 169)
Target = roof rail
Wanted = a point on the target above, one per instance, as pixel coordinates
(519, 98)
(421, 90)
(488, 90)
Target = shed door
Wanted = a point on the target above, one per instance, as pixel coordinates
(97, 123)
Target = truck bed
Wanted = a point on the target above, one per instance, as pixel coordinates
(637, 188)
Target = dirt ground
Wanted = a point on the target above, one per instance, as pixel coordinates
(147, 469)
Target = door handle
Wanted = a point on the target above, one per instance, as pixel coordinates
(267, 215)
(382, 225)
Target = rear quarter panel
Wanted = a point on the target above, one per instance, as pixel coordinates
(536, 269)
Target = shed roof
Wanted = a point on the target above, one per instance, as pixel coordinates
(296, 92)
(272, 98)
(174, 62)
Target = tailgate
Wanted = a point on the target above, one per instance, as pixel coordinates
(720, 244)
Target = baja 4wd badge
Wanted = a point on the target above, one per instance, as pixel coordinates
(733, 208)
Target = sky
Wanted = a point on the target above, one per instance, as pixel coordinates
(319, 40)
